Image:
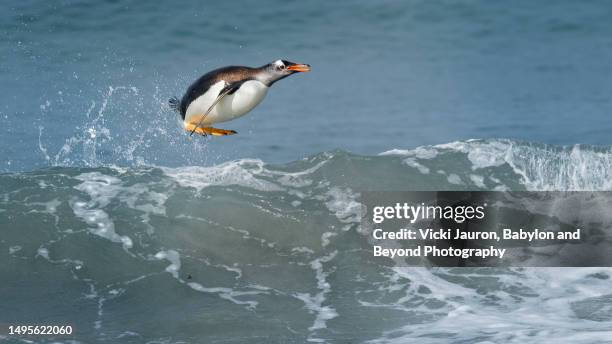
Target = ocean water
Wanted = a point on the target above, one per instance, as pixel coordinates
(95, 77)
(250, 252)
(116, 223)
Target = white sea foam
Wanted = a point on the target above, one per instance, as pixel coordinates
(343, 203)
(542, 167)
(302, 249)
(315, 303)
(50, 208)
(175, 261)
(413, 163)
(547, 311)
(294, 179)
(227, 294)
(239, 173)
(43, 252)
(419, 152)
(101, 190)
(140, 197)
(325, 238)
(478, 180)
(539, 167)
(454, 179)
(414, 155)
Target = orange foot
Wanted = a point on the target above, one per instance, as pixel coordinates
(204, 131)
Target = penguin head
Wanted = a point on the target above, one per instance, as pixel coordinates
(279, 69)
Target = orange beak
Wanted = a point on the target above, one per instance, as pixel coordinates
(299, 67)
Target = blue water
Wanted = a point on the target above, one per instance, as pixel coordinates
(113, 221)
(385, 75)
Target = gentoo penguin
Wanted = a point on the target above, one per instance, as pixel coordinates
(227, 93)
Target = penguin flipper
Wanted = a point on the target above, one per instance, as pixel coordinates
(233, 87)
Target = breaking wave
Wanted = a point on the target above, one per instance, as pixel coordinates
(139, 252)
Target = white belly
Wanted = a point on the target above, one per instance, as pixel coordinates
(230, 107)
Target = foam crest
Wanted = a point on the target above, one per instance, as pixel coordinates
(543, 167)
(240, 173)
(575, 169)
(538, 167)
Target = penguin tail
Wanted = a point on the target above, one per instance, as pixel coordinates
(175, 104)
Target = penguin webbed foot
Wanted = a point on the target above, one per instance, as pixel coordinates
(206, 131)
(219, 132)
